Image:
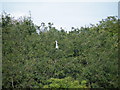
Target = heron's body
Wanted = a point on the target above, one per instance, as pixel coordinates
(56, 44)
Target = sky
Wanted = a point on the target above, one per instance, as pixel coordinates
(62, 14)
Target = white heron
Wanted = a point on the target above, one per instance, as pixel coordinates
(56, 44)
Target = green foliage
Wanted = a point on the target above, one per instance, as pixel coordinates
(30, 60)
(67, 82)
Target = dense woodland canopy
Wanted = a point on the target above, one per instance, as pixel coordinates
(87, 57)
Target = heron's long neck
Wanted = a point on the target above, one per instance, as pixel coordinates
(56, 43)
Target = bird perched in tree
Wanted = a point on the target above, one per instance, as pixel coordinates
(56, 44)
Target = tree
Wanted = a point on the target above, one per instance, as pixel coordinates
(31, 60)
(67, 82)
